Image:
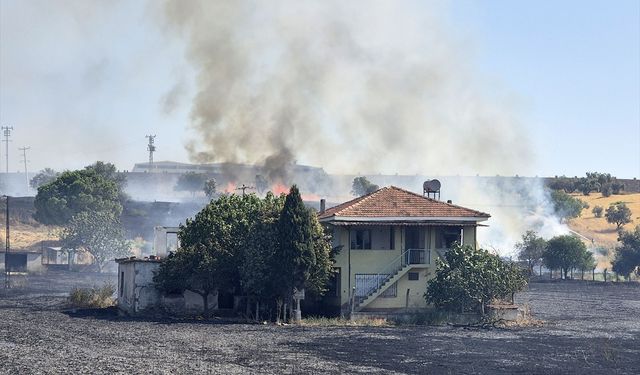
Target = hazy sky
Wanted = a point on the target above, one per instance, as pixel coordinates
(87, 80)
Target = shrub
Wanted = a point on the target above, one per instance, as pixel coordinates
(597, 211)
(96, 297)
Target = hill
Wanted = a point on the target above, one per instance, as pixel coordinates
(603, 233)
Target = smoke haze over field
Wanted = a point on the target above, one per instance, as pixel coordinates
(381, 86)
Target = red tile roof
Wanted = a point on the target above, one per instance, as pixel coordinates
(393, 202)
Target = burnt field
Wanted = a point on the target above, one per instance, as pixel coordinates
(589, 328)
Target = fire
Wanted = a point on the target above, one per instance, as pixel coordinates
(279, 188)
(231, 188)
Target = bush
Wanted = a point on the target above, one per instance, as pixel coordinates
(96, 297)
(597, 211)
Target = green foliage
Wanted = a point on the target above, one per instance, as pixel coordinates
(565, 253)
(108, 171)
(468, 279)
(597, 211)
(566, 206)
(362, 186)
(43, 177)
(627, 258)
(606, 190)
(99, 233)
(191, 182)
(240, 242)
(531, 248)
(619, 214)
(303, 258)
(209, 188)
(76, 191)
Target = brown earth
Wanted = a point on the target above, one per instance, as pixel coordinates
(590, 328)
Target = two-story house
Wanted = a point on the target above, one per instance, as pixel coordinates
(389, 242)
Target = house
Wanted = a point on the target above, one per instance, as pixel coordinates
(389, 242)
(22, 261)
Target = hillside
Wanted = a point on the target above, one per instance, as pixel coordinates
(603, 233)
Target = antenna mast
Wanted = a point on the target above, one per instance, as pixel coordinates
(151, 148)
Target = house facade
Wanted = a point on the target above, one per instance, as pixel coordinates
(389, 241)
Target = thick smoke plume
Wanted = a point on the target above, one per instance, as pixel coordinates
(352, 86)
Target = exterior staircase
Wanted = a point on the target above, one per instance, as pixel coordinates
(410, 259)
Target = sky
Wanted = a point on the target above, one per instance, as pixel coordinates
(87, 80)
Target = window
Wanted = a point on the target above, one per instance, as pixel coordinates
(121, 283)
(414, 276)
(361, 239)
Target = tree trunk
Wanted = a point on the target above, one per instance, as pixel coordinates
(205, 303)
(284, 313)
(540, 270)
(278, 309)
(257, 310)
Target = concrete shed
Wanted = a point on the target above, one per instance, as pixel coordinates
(22, 261)
(136, 291)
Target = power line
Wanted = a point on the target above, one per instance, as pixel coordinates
(7, 133)
(25, 161)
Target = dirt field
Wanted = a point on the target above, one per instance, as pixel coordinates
(591, 328)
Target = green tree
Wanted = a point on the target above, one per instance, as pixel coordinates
(43, 177)
(303, 259)
(597, 211)
(109, 172)
(587, 263)
(212, 248)
(468, 279)
(73, 192)
(531, 249)
(566, 206)
(619, 214)
(564, 253)
(210, 188)
(362, 186)
(191, 182)
(627, 258)
(99, 233)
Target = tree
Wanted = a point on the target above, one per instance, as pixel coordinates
(303, 258)
(564, 253)
(468, 279)
(73, 192)
(210, 188)
(586, 263)
(261, 184)
(597, 211)
(362, 186)
(627, 258)
(531, 249)
(43, 177)
(109, 172)
(100, 233)
(212, 246)
(619, 214)
(192, 268)
(191, 182)
(566, 206)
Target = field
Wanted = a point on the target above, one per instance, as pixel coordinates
(590, 328)
(603, 233)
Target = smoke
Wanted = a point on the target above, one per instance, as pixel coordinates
(375, 86)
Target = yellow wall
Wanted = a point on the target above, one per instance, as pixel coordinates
(373, 261)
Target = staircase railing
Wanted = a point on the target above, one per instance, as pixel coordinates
(384, 274)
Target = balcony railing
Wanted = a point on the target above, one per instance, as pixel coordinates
(417, 256)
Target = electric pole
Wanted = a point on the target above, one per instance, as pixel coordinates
(7, 270)
(25, 161)
(7, 133)
(151, 148)
(243, 188)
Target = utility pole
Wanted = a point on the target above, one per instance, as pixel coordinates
(7, 247)
(25, 161)
(243, 188)
(7, 133)
(151, 148)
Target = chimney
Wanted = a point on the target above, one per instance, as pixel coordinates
(322, 205)
(450, 201)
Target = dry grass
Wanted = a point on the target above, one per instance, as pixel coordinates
(603, 233)
(96, 297)
(25, 236)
